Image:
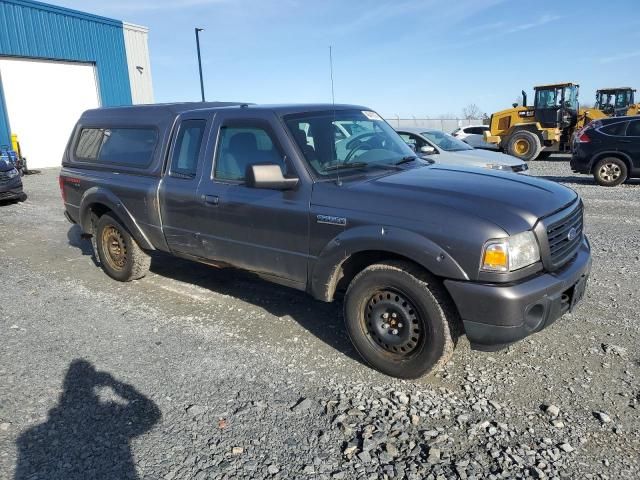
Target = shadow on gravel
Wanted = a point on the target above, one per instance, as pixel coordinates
(88, 434)
(76, 240)
(324, 320)
(583, 180)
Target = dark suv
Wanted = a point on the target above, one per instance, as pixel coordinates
(609, 149)
(329, 199)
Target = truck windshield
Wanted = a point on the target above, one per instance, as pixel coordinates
(445, 141)
(347, 140)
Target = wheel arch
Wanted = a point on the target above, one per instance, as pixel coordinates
(349, 253)
(98, 201)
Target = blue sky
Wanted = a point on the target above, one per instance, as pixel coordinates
(403, 57)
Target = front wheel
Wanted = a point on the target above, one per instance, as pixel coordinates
(400, 319)
(120, 256)
(524, 145)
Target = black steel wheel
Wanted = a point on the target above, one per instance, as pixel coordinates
(400, 319)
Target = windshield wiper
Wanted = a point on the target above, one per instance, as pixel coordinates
(340, 166)
(407, 159)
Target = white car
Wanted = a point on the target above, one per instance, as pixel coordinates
(474, 136)
(445, 149)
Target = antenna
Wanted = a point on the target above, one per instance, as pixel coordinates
(333, 104)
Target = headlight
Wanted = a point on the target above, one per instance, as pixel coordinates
(498, 166)
(12, 173)
(511, 253)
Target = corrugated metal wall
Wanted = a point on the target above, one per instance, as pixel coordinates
(137, 47)
(37, 30)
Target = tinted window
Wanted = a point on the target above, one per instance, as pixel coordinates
(241, 147)
(123, 146)
(187, 148)
(614, 129)
(634, 129)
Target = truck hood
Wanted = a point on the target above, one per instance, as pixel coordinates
(5, 165)
(512, 202)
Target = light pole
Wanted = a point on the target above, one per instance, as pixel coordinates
(198, 30)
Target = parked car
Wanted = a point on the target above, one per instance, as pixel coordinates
(10, 181)
(419, 251)
(440, 147)
(608, 149)
(474, 136)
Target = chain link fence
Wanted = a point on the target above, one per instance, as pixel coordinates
(445, 124)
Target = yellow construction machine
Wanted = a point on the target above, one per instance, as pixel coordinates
(617, 102)
(547, 126)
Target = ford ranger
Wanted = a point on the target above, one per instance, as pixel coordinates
(330, 200)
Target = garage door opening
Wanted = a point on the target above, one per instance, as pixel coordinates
(44, 100)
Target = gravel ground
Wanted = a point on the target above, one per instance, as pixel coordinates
(200, 373)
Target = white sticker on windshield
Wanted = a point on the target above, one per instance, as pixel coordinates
(371, 115)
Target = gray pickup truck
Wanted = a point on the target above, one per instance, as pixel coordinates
(330, 200)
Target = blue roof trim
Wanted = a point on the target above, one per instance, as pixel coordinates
(64, 11)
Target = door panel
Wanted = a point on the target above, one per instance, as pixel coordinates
(261, 230)
(183, 212)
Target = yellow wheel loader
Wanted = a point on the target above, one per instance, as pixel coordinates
(547, 126)
(617, 102)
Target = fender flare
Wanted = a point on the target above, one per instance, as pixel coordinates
(102, 196)
(325, 273)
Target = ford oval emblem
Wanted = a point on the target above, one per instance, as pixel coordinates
(573, 233)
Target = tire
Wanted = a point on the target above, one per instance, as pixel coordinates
(120, 256)
(610, 171)
(400, 319)
(524, 145)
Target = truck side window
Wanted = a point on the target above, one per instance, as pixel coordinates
(241, 147)
(633, 130)
(131, 147)
(187, 148)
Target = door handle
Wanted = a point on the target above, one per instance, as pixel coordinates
(210, 199)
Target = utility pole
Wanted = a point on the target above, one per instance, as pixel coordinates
(198, 30)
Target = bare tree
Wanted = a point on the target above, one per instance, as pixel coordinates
(472, 112)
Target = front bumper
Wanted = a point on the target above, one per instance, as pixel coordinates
(11, 189)
(495, 316)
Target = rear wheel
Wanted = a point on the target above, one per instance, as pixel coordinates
(120, 256)
(610, 171)
(400, 319)
(524, 145)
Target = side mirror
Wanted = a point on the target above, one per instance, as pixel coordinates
(427, 150)
(270, 177)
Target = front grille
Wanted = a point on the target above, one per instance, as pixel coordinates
(562, 245)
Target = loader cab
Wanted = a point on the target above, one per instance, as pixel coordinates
(615, 101)
(556, 105)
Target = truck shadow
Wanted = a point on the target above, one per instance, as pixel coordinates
(82, 244)
(323, 320)
(88, 433)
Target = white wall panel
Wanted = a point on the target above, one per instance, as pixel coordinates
(44, 100)
(137, 47)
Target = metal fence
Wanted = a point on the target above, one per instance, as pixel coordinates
(445, 124)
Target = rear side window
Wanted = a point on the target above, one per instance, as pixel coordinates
(132, 147)
(616, 129)
(634, 129)
(187, 148)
